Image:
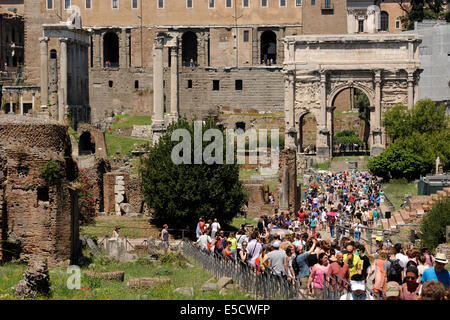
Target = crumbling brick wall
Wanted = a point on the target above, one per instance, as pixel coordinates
(133, 191)
(38, 218)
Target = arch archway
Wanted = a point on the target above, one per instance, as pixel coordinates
(349, 121)
(307, 133)
(111, 50)
(268, 47)
(189, 48)
(87, 144)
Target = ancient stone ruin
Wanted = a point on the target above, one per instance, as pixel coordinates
(39, 216)
(36, 280)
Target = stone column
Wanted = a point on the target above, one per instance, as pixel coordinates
(123, 55)
(33, 100)
(21, 102)
(322, 145)
(44, 70)
(289, 98)
(410, 90)
(97, 50)
(174, 90)
(377, 146)
(416, 87)
(11, 111)
(62, 91)
(158, 125)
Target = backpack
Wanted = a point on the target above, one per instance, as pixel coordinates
(394, 272)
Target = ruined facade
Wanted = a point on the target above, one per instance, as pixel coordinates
(230, 53)
(39, 217)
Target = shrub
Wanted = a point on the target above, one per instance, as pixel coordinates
(432, 230)
(51, 172)
(87, 199)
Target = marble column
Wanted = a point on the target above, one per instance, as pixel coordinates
(44, 70)
(174, 90)
(158, 125)
(377, 146)
(416, 88)
(322, 145)
(62, 92)
(21, 103)
(11, 109)
(289, 97)
(410, 90)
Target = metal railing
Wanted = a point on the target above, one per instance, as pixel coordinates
(265, 284)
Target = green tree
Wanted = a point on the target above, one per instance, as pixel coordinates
(347, 137)
(432, 230)
(179, 194)
(397, 122)
(419, 10)
(419, 136)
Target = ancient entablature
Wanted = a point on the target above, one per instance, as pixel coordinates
(383, 66)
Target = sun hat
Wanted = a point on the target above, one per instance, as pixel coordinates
(276, 244)
(378, 239)
(441, 258)
(357, 285)
(392, 289)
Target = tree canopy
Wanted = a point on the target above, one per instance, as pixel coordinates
(179, 194)
(418, 137)
(419, 10)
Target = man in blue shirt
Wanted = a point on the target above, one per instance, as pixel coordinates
(303, 267)
(438, 273)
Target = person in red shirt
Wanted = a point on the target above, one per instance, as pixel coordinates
(301, 218)
(340, 268)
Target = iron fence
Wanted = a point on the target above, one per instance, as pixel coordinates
(265, 284)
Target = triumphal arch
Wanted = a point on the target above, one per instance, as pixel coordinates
(385, 67)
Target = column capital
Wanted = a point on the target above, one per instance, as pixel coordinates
(159, 42)
(377, 76)
(43, 39)
(323, 75)
(63, 40)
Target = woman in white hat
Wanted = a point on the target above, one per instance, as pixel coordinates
(438, 273)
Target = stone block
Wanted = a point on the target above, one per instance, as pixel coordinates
(222, 282)
(188, 291)
(147, 283)
(209, 286)
(112, 276)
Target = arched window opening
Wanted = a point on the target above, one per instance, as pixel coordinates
(111, 50)
(268, 48)
(189, 49)
(384, 21)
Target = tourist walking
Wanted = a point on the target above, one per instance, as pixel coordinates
(317, 276)
(165, 237)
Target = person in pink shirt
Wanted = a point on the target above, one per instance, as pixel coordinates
(317, 276)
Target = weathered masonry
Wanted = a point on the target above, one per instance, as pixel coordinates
(385, 67)
(38, 217)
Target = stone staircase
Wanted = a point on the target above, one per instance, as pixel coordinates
(412, 214)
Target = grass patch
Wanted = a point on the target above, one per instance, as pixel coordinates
(349, 158)
(395, 190)
(130, 227)
(172, 267)
(322, 166)
(122, 144)
(126, 121)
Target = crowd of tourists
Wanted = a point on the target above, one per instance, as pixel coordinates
(303, 247)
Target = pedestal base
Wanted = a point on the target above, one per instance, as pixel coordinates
(158, 129)
(376, 150)
(323, 152)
